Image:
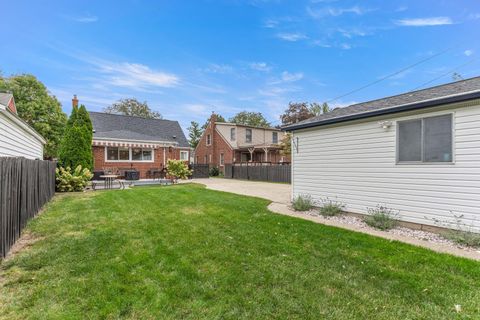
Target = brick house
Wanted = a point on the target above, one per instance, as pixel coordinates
(224, 142)
(121, 141)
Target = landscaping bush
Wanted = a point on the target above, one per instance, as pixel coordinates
(462, 234)
(214, 172)
(302, 202)
(331, 208)
(178, 169)
(463, 237)
(69, 181)
(381, 217)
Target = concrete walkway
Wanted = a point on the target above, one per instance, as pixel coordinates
(276, 192)
(279, 194)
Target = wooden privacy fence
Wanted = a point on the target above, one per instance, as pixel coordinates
(25, 186)
(263, 172)
(200, 170)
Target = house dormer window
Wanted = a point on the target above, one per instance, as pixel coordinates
(274, 137)
(232, 134)
(209, 139)
(248, 135)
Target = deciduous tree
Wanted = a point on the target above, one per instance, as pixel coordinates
(40, 109)
(254, 119)
(132, 107)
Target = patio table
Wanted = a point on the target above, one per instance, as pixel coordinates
(110, 179)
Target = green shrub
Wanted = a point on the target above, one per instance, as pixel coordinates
(69, 181)
(331, 208)
(462, 234)
(381, 217)
(214, 172)
(178, 169)
(76, 144)
(302, 202)
(463, 237)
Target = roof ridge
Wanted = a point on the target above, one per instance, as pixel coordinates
(130, 116)
(412, 92)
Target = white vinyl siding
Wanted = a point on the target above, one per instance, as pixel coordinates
(17, 142)
(356, 164)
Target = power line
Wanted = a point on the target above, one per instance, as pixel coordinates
(445, 74)
(391, 75)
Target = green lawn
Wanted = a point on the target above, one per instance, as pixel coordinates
(184, 252)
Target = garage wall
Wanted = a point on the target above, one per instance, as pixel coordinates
(17, 142)
(356, 164)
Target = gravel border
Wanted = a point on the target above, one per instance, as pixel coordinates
(401, 231)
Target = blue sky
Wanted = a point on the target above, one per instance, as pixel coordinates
(189, 58)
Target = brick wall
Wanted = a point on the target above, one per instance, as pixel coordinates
(204, 152)
(99, 162)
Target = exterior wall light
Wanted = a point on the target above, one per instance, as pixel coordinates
(385, 124)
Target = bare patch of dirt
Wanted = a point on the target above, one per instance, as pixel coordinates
(26, 240)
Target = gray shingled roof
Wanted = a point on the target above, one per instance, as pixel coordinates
(433, 93)
(5, 98)
(114, 126)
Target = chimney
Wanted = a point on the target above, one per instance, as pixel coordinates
(213, 118)
(74, 101)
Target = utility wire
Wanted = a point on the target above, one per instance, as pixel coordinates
(391, 75)
(445, 74)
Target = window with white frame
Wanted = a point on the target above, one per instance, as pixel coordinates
(232, 134)
(425, 140)
(128, 154)
(209, 139)
(222, 159)
(248, 135)
(274, 137)
(184, 155)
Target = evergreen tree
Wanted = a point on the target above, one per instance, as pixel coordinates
(76, 145)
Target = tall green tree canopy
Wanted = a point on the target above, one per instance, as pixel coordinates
(255, 119)
(76, 145)
(194, 134)
(299, 111)
(41, 110)
(133, 107)
(220, 118)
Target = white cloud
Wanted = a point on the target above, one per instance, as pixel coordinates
(474, 16)
(197, 109)
(345, 46)
(135, 75)
(350, 33)
(423, 22)
(291, 77)
(88, 18)
(295, 36)
(218, 68)
(468, 53)
(401, 9)
(270, 23)
(335, 12)
(260, 66)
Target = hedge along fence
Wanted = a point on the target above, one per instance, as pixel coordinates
(25, 186)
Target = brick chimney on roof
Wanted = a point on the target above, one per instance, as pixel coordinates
(74, 101)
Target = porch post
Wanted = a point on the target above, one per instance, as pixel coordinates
(266, 154)
(251, 150)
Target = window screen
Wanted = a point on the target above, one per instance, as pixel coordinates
(232, 134)
(136, 154)
(124, 154)
(410, 140)
(112, 153)
(274, 137)
(147, 154)
(425, 140)
(248, 135)
(438, 139)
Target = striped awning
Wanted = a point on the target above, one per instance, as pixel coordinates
(129, 144)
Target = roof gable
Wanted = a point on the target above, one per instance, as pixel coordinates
(114, 126)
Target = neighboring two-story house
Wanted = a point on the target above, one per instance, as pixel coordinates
(224, 142)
